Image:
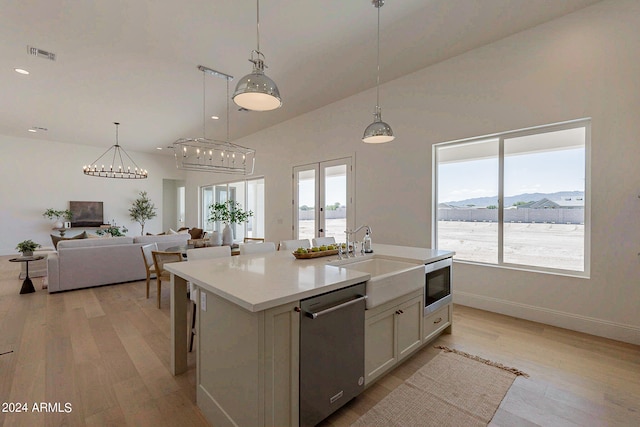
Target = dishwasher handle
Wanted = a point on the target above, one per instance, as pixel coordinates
(335, 307)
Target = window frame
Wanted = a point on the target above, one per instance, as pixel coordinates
(502, 136)
(230, 188)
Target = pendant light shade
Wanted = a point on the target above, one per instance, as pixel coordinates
(256, 91)
(378, 132)
(122, 167)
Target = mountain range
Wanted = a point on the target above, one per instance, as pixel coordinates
(511, 200)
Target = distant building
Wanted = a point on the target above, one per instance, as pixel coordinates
(563, 203)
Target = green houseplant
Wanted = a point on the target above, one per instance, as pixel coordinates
(55, 214)
(142, 210)
(27, 247)
(229, 212)
(113, 230)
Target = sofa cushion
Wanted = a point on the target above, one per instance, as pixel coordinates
(165, 241)
(57, 239)
(84, 243)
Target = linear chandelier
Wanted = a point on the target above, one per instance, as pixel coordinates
(378, 132)
(210, 155)
(117, 167)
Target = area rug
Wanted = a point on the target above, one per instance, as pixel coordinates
(453, 389)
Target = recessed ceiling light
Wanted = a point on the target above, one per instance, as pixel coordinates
(158, 148)
(215, 117)
(21, 71)
(32, 130)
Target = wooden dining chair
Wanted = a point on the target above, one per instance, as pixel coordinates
(161, 258)
(199, 254)
(322, 241)
(149, 266)
(254, 240)
(292, 245)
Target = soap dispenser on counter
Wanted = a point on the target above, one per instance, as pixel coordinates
(366, 242)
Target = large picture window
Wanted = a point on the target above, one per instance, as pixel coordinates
(517, 199)
(250, 194)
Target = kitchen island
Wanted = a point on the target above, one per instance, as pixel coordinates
(248, 328)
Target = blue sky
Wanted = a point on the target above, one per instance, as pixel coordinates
(544, 172)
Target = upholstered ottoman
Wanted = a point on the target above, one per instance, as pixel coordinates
(37, 268)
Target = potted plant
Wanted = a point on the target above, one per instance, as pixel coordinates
(142, 210)
(27, 247)
(229, 212)
(54, 214)
(112, 230)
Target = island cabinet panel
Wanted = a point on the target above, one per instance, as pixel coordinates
(247, 367)
(282, 338)
(437, 322)
(379, 344)
(409, 326)
(392, 331)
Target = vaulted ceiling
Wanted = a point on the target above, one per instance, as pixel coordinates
(135, 61)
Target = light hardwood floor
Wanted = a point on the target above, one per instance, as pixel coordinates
(105, 351)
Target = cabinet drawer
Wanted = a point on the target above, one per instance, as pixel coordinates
(437, 321)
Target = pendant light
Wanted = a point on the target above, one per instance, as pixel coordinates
(378, 131)
(117, 167)
(256, 91)
(209, 155)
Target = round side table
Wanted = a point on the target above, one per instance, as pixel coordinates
(27, 285)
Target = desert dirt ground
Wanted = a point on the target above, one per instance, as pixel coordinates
(543, 245)
(536, 244)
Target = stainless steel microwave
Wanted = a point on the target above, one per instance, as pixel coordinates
(437, 288)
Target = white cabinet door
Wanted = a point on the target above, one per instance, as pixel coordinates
(409, 327)
(379, 344)
(392, 332)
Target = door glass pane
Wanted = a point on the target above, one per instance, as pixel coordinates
(306, 181)
(335, 200)
(207, 200)
(255, 203)
(236, 190)
(221, 196)
(544, 188)
(181, 206)
(467, 200)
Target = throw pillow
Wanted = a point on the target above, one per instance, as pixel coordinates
(56, 239)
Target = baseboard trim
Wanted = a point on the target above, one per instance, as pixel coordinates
(562, 319)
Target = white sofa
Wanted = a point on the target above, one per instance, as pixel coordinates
(85, 263)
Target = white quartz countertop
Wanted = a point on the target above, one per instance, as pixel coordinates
(410, 254)
(258, 282)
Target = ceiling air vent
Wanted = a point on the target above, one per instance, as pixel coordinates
(34, 51)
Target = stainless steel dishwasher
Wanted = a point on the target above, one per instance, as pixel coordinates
(331, 352)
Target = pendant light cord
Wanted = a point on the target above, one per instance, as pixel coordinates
(258, 23)
(228, 110)
(204, 114)
(378, 78)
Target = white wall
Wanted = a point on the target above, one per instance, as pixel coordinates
(586, 64)
(36, 175)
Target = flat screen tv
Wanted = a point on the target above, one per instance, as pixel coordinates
(86, 214)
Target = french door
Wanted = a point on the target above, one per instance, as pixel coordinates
(323, 201)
